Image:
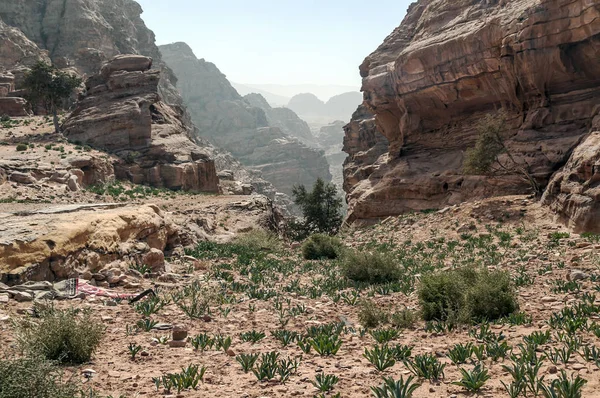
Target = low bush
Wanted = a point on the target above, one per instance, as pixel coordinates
(34, 377)
(466, 294)
(320, 246)
(371, 315)
(373, 268)
(68, 336)
(259, 240)
(22, 147)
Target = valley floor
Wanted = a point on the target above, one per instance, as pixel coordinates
(225, 291)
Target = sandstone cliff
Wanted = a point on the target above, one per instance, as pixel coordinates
(452, 62)
(228, 121)
(121, 112)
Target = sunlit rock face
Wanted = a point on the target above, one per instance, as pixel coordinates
(445, 67)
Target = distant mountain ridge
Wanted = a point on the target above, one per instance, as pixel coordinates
(340, 107)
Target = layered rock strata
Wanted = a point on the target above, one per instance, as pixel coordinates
(449, 64)
(224, 118)
(121, 112)
(65, 241)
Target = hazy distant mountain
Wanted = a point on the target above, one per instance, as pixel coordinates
(312, 109)
(273, 99)
(323, 92)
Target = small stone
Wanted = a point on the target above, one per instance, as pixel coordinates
(431, 389)
(144, 353)
(578, 366)
(552, 370)
(3, 298)
(177, 343)
(230, 352)
(23, 296)
(180, 332)
(110, 303)
(88, 373)
(578, 275)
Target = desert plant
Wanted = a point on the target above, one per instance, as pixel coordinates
(259, 240)
(47, 85)
(321, 246)
(380, 357)
(384, 335)
(22, 147)
(564, 387)
(285, 337)
(460, 353)
(202, 342)
(403, 319)
(325, 344)
(473, 380)
(325, 382)
(466, 294)
(426, 366)
(69, 336)
(371, 315)
(252, 336)
(321, 210)
(34, 377)
(247, 361)
(396, 389)
(134, 349)
(485, 157)
(373, 268)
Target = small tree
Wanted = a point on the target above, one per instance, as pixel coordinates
(321, 209)
(47, 85)
(484, 158)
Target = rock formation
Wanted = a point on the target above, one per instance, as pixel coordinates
(121, 113)
(228, 121)
(283, 118)
(452, 62)
(62, 242)
(574, 192)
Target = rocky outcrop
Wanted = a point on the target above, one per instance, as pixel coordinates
(65, 241)
(16, 49)
(121, 113)
(449, 64)
(229, 122)
(283, 118)
(574, 192)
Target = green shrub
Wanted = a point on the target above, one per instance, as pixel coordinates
(259, 240)
(34, 377)
(371, 315)
(321, 246)
(67, 336)
(22, 147)
(374, 268)
(466, 294)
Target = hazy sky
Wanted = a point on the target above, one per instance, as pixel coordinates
(278, 41)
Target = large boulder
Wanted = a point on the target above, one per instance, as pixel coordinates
(61, 241)
(574, 192)
(451, 63)
(14, 106)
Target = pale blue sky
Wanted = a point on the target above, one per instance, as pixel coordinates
(278, 42)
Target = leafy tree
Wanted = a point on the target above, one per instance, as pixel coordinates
(321, 209)
(485, 157)
(50, 87)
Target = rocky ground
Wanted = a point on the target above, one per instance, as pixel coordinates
(239, 291)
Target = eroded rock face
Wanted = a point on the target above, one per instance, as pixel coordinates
(283, 118)
(228, 121)
(449, 64)
(16, 49)
(61, 242)
(574, 192)
(122, 113)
